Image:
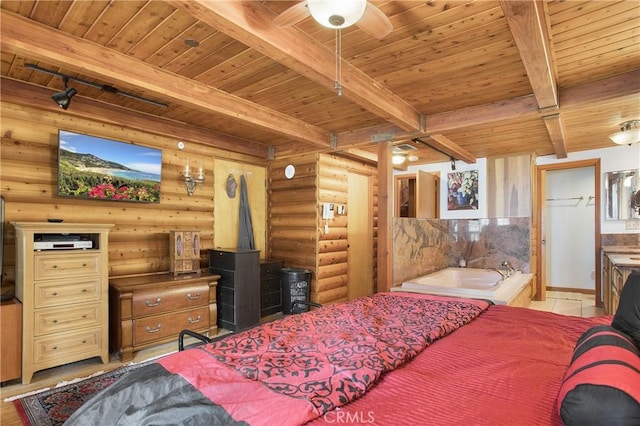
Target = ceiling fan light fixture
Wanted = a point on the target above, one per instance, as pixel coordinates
(337, 14)
(629, 133)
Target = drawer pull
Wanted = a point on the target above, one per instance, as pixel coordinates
(190, 297)
(151, 304)
(55, 321)
(54, 348)
(54, 266)
(84, 265)
(55, 293)
(193, 321)
(150, 330)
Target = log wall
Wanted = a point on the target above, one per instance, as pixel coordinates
(139, 241)
(296, 228)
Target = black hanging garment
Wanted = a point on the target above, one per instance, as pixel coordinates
(245, 236)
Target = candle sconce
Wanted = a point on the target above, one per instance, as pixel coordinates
(192, 181)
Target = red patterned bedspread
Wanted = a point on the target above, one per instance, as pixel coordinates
(296, 369)
(505, 368)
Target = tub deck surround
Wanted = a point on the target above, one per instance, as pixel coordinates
(423, 246)
(472, 283)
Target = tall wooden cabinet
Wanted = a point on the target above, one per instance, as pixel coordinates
(64, 293)
(238, 287)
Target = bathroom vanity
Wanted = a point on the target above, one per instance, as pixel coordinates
(618, 262)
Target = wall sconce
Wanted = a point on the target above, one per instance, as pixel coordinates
(190, 181)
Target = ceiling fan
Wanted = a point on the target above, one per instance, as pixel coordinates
(338, 14)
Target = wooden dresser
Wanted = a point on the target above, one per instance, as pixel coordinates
(152, 309)
(63, 291)
(239, 287)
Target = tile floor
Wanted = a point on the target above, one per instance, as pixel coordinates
(569, 303)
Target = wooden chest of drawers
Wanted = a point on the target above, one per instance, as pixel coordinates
(63, 294)
(152, 309)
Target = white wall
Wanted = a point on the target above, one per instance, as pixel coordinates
(443, 169)
(618, 157)
(569, 228)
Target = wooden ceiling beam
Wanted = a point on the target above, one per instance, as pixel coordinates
(622, 86)
(252, 24)
(30, 95)
(442, 122)
(527, 22)
(30, 39)
(443, 144)
(528, 25)
(482, 114)
(555, 127)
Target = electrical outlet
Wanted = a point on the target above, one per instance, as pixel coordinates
(632, 224)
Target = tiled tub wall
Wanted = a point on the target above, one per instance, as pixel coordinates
(422, 246)
(620, 239)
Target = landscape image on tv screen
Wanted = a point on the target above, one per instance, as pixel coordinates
(96, 168)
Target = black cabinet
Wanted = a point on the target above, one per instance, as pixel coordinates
(270, 293)
(238, 291)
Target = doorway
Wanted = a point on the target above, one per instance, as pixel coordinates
(360, 236)
(569, 232)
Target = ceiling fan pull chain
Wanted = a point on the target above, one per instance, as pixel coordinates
(336, 84)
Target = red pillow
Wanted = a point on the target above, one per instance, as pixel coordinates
(602, 384)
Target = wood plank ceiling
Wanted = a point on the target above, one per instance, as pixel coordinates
(470, 78)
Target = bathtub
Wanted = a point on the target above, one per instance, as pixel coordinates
(469, 282)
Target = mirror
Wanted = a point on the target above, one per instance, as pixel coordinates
(622, 195)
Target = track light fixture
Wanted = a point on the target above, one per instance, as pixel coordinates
(452, 159)
(63, 98)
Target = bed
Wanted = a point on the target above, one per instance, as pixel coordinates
(389, 359)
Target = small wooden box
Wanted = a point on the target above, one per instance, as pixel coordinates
(184, 252)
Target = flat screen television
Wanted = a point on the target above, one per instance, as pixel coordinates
(91, 167)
